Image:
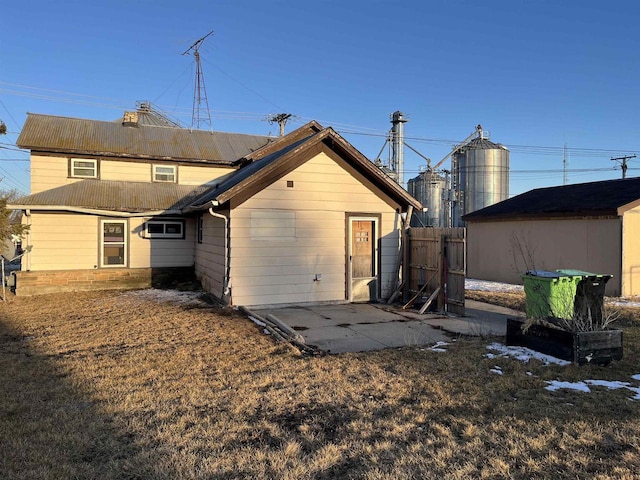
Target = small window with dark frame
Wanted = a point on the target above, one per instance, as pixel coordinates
(164, 173)
(200, 227)
(164, 229)
(83, 168)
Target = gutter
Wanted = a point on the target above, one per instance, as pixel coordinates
(93, 211)
(226, 290)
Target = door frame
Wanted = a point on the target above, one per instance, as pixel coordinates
(376, 218)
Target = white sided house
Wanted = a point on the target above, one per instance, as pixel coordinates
(261, 221)
(593, 227)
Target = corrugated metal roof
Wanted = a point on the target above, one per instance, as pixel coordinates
(481, 144)
(584, 199)
(93, 137)
(132, 197)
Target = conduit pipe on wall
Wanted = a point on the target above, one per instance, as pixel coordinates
(225, 280)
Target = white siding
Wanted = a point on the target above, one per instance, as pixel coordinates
(62, 242)
(281, 269)
(160, 252)
(190, 175)
(72, 241)
(50, 172)
(210, 255)
(125, 171)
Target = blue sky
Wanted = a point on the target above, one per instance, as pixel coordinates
(536, 74)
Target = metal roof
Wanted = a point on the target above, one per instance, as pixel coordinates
(481, 144)
(132, 197)
(50, 133)
(583, 199)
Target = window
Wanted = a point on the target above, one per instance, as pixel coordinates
(164, 229)
(164, 173)
(113, 244)
(200, 227)
(83, 168)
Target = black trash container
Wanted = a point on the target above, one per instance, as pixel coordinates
(589, 298)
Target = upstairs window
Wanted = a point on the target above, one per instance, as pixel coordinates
(164, 173)
(83, 168)
(164, 229)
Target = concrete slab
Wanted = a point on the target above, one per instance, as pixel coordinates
(339, 328)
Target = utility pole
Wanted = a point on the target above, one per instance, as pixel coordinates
(623, 163)
(281, 119)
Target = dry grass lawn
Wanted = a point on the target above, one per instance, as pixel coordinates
(118, 386)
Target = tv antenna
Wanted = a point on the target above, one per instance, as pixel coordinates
(200, 112)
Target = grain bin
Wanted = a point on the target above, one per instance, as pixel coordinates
(480, 176)
(429, 189)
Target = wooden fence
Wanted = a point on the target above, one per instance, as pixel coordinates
(434, 266)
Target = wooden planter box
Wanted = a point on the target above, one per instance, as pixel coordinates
(599, 348)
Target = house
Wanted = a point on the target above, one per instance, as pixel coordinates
(262, 221)
(592, 227)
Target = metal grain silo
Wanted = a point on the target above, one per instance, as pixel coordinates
(480, 176)
(429, 189)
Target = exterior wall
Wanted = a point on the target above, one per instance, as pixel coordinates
(631, 252)
(160, 252)
(277, 264)
(39, 283)
(210, 255)
(66, 241)
(50, 172)
(503, 251)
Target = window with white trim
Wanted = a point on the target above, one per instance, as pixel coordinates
(113, 243)
(164, 229)
(83, 168)
(164, 173)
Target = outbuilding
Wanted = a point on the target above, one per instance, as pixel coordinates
(593, 227)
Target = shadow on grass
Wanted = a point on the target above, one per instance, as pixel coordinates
(51, 428)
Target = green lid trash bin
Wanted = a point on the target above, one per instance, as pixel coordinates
(564, 294)
(549, 294)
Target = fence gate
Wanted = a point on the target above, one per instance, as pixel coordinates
(435, 259)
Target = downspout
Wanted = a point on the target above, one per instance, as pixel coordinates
(225, 280)
(27, 213)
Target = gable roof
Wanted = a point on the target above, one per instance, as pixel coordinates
(48, 133)
(113, 196)
(266, 165)
(594, 199)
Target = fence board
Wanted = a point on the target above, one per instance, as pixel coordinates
(425, 260)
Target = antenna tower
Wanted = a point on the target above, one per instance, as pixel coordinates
(200, 101)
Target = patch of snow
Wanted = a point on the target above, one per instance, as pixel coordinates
(437, 347)
(554, 385)
(497, 370)
(260, 323)
(487, 286)
(170, 296)
(636, 376)
(610, 385)
(524, 354)
(584, 386)
(623, 302)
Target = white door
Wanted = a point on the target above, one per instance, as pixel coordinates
(113, 243)
(362, 259)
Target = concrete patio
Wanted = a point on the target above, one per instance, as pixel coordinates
(359, 327)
